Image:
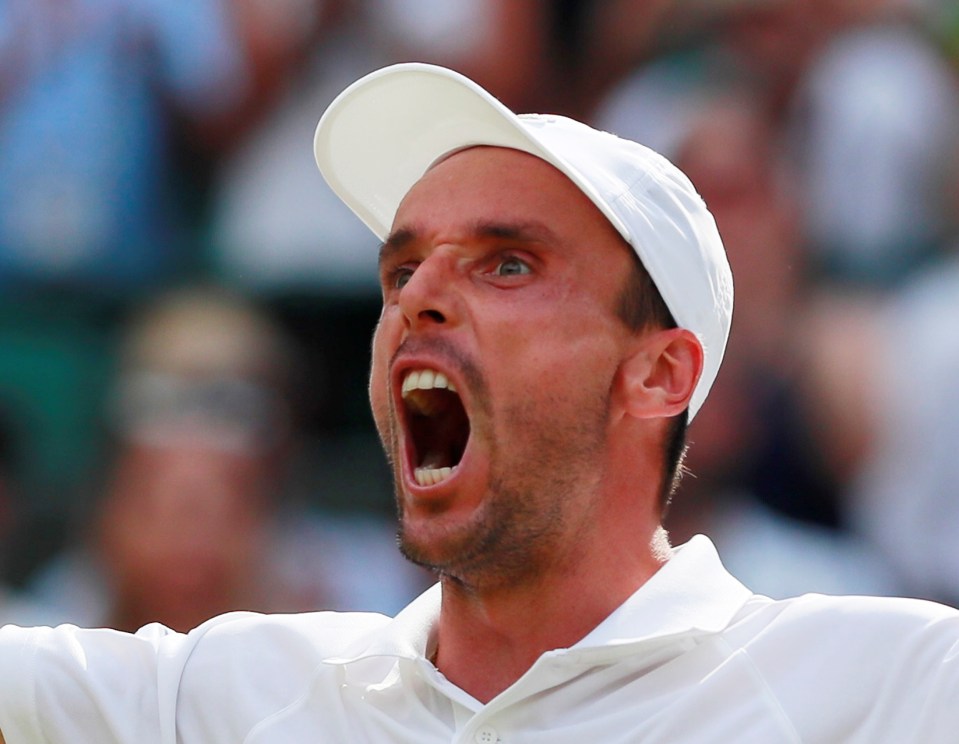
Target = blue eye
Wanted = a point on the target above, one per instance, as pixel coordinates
(512, 267)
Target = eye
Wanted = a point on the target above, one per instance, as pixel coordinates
(512, 266)
(402, 276)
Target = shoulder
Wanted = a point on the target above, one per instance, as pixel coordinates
(846, 626)
(861, 614)
(249, 667)
(309, 636)
(876, 664)
(271, 654)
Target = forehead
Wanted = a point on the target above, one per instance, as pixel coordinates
(493, 184)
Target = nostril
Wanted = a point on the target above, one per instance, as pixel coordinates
(435, 315)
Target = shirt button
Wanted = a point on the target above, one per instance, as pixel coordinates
(486, 735)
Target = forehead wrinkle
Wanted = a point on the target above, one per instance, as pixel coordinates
(518, 232)
(480, 230)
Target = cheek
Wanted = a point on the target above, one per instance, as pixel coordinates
(585, 339)
(378, 385)
(561, 371)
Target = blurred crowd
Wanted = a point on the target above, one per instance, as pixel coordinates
(185, 308)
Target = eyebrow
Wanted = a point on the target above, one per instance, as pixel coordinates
(397, 241)
(513, 232)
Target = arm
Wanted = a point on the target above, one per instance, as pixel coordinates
(73, 684)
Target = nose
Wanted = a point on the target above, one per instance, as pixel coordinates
(429, 299)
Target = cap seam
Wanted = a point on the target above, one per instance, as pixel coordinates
(628, 187)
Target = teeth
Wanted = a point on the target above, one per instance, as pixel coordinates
(432, 476)
(426, 379)
(411, 381)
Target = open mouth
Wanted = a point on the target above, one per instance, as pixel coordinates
(437, 425)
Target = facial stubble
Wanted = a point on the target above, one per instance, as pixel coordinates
(543, 472)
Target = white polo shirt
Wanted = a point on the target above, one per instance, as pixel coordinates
(692, 656)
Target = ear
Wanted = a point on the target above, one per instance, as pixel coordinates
(659, 377)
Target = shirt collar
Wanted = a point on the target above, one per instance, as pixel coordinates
(406, 636)
(691, 594)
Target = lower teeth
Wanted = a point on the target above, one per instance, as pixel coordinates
(432, 476)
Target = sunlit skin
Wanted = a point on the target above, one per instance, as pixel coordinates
(501, 274)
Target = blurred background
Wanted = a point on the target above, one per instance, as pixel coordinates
(186, 309)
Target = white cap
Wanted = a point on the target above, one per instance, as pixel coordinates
(381, 134)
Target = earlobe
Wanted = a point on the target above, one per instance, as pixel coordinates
(661, 374)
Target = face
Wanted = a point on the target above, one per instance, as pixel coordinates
(182, 530)
(500, 282)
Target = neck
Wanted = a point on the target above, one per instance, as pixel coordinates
(488, 638)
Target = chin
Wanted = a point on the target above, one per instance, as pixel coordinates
(422, 553)
(434, 543)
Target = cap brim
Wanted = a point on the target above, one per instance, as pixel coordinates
(381, 134)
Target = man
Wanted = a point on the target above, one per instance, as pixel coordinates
(531, 390)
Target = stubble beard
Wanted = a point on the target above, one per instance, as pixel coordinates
(524, 524)
(498, 544)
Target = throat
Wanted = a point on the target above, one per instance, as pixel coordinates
(484, 661)
(439, 439)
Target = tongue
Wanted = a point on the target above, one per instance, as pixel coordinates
(435, 459)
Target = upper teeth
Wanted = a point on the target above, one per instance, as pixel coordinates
(426, 379)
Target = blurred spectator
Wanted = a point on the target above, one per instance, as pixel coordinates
(729, 145)
(763, 45)
(499, 43)
(90, 91)
(619, 36)
(865, 109)
(757, 483)
(869, 105)
(835, 336)
(874, 120)
(98, 199)
(192, 520)
(906, 499)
